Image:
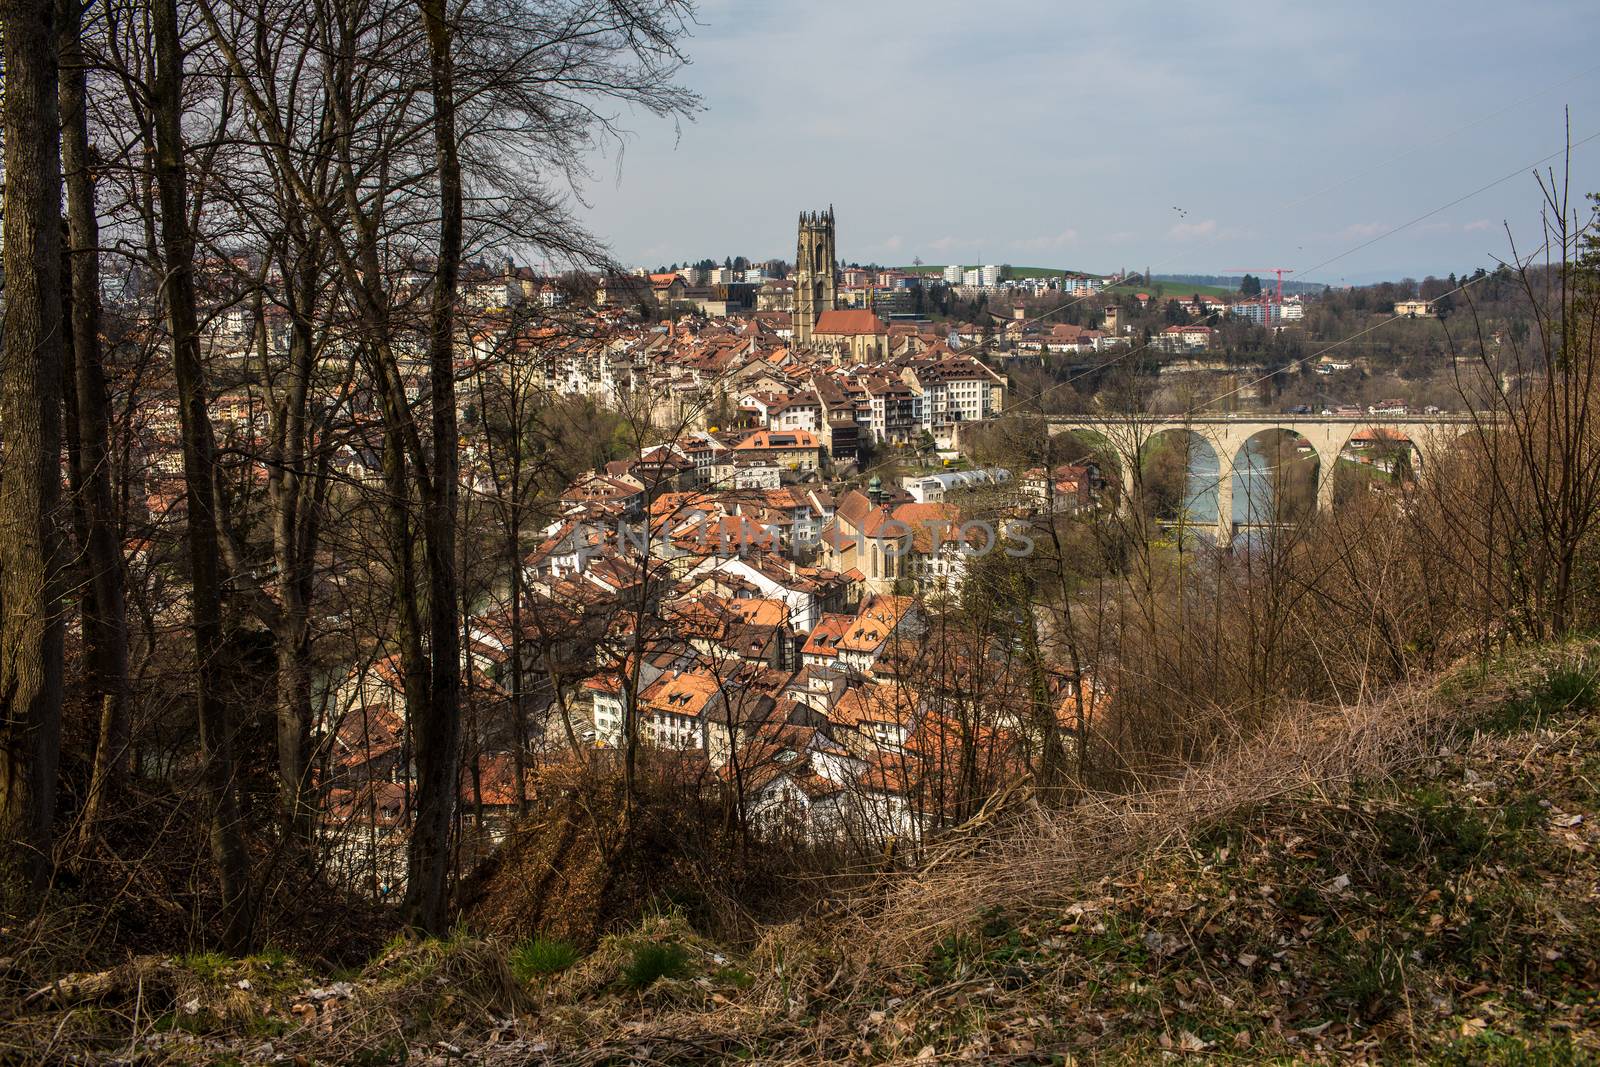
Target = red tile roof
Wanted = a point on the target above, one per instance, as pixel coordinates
(850, 323)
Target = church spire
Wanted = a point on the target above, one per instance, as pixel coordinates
(814, 285)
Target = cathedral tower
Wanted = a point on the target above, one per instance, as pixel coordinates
(814, 260)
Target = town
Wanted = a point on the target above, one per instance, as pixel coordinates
(667, 531)
(750, 577)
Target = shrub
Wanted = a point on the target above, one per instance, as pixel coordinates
(207, 966)
(653, 960)
(1568, 689)
(541, 956)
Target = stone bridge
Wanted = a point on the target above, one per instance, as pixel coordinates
(1328, 435)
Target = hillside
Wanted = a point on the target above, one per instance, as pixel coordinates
(1169, 287)
(1415, 879)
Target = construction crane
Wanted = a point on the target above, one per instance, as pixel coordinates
(1279, 271)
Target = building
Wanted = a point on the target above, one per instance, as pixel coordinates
(933, 488)
(1416, 309)
(795, 450)
(860, 336)
(953, 390)
(776, 294)
(985, 277)
(1062, 489)
(1181, 338)
(668, 288)
(675, 706)
(815, 290)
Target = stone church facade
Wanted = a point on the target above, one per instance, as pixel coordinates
(814, 285)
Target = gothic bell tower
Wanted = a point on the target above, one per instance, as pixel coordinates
(814, 261)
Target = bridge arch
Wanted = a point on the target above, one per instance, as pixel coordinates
(1276, 475)
(1376, 452)
(1180, 468)
(1100, 446)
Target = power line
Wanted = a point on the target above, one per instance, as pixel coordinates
(1439, 141)
(1122, 355)
(1445, 207)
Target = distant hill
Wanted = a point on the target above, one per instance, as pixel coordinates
(1016, 272)
(1172, 288)
(1228, 283)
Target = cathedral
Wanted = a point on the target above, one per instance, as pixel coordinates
(814, 260)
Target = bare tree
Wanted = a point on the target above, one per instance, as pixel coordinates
(437, 732)
(1537, 418)
(105, 619)
(30, 377)
(200, 473)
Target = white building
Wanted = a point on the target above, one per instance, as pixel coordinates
(932, 488)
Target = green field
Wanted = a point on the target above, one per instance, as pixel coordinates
(1171, 289)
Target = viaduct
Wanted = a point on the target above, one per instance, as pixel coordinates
(1328, 435)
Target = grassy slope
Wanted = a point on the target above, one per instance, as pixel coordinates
(1442, 910)
(1413, 882)
(1176, 290)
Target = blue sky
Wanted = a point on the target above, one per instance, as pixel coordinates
(1189, 138)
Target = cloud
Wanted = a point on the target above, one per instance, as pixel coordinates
(1193, 231)
(892, 244)
(1319, 87)
(1360, 231)
(1036, 244)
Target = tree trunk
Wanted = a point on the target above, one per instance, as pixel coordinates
(438, 728)
(199, 463)
(105, 605)
(519, 714)
(294, 498)
(30, 381)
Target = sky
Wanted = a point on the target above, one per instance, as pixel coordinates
(1186, 138)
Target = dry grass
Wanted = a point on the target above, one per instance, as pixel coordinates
(817, 985)
(1121, 923)
(1043, 855)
